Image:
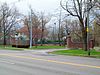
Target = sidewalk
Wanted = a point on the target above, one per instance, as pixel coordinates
(42, 51)
(97, 48)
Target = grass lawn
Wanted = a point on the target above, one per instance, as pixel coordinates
(33, 47)
(9, 48)
(78, 53)
(48, 47)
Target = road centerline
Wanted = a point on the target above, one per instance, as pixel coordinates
(53, 61)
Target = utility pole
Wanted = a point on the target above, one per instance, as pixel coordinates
(88, 26)
(31, 28)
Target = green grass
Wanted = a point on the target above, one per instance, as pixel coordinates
(47, 47)
(9, 48)
(33, 47)
(78, 53)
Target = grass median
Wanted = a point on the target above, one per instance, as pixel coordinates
(78, 52)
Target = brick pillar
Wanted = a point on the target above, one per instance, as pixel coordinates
(91, 43)
(69, 42)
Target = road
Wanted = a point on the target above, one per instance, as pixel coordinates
(40, 63)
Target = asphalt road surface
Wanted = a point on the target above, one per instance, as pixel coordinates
(40, 63)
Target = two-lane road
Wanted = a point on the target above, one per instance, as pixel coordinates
(40, 63)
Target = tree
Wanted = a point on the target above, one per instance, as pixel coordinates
(8, 18)
(79, 9)
(96, 33)
(27, 29)
(73, 27)
(35, 25)
(97, 13)
(44, 21)
(96, 21)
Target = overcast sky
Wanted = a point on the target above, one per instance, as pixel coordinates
(47, 6)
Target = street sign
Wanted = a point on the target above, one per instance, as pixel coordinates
(87, 29)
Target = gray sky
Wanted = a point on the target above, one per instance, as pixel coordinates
(47, 6)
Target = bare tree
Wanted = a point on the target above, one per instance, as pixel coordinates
(44, 21)
(8, 18)
(96, 33)
(97, 13)
(79, 9)
(96, 27)
(36, 26)
(36, 21)
(73, 27)
(26, 23)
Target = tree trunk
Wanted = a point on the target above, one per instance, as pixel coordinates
(4, 40)
(42, 39)
(36, 40)
(84, 34)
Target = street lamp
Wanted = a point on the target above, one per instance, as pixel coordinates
(55, 30)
